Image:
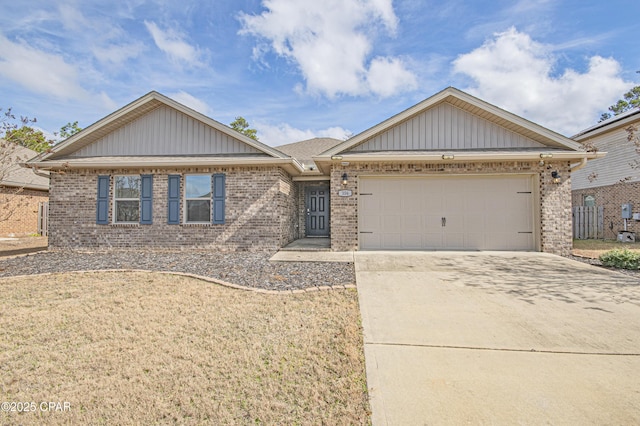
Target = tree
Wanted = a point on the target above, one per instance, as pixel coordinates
(630, 100)
(241, 125)
(29, 138)
(69, 130)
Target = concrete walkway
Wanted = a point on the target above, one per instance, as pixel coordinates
(498, 338)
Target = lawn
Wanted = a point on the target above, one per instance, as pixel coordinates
(145, 348)
(594, 248)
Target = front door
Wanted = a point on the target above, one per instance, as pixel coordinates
(317, 210)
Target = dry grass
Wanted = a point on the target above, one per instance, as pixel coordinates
(143, 348)
(594, 248)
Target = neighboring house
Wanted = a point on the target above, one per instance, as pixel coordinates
(452, 172)
(615, 179)
(21, 191)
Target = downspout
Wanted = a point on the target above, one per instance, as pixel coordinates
(581, 164)
(35, 170)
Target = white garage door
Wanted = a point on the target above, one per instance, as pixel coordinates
(457, 213)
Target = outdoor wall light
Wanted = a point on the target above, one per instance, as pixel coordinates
(556, 177)
(543, 155)
(447, 157)
(336, 157)
(344, 179)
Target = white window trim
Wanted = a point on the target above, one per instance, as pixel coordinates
(185, 199)
(114, 213)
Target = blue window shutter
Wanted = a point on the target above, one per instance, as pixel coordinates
(102, 209)
(146, 200)
(174, 200)
(218, 198)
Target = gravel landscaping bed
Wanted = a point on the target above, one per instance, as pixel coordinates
(241, 268)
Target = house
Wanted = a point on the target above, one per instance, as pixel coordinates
(21, 192)
(613, 180)
(452, 172)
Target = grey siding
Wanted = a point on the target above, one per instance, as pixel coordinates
(446, 127)
(614, 167)
(165, 131)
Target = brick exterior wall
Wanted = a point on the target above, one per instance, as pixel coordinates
(23, 208)
(612, 197)
(259, 208)
(554, 199)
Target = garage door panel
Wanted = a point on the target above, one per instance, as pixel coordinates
(412, 241)
(412, 224)
(392, 223)
(453, 241)
(432, 222)
(432, 240)
(392, 241)
(370, 240)
(392, 202)
(474, 240)
(480, 213)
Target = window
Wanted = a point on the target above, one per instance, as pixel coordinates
(198, 198)
(127, 199)
(589, 201)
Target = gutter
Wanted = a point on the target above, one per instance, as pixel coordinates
(114, 163)
(578, 166)
(454, 156)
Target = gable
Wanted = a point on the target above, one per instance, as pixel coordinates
(619, 165)
(165, 131)
(446, 127)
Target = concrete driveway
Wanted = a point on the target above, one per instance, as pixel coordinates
(498, 338)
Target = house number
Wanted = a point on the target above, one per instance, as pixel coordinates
(345, 193)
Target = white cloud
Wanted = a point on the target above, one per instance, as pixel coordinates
(192, 102)
(388, 76)
(283, 133)
(172, 43)
(330, 42)
(518, 74)
(117, 53)
(39, 71)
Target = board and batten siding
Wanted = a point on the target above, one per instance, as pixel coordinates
(445, 127)
(166, 131)
(613, 168)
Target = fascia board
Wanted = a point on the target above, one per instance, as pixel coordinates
(462, 156)
(608, 128)
(144, 162)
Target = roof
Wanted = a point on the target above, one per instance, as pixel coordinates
(64, 154)
(546, 140)
(607, 125)
(20, 177)
(620, 163)
(304, 151)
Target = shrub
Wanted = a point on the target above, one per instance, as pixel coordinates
(624, 259)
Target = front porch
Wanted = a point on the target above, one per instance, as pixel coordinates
(309, 244)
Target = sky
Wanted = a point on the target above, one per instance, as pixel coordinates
(298, 69)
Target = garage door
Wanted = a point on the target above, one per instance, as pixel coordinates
(451, 213)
